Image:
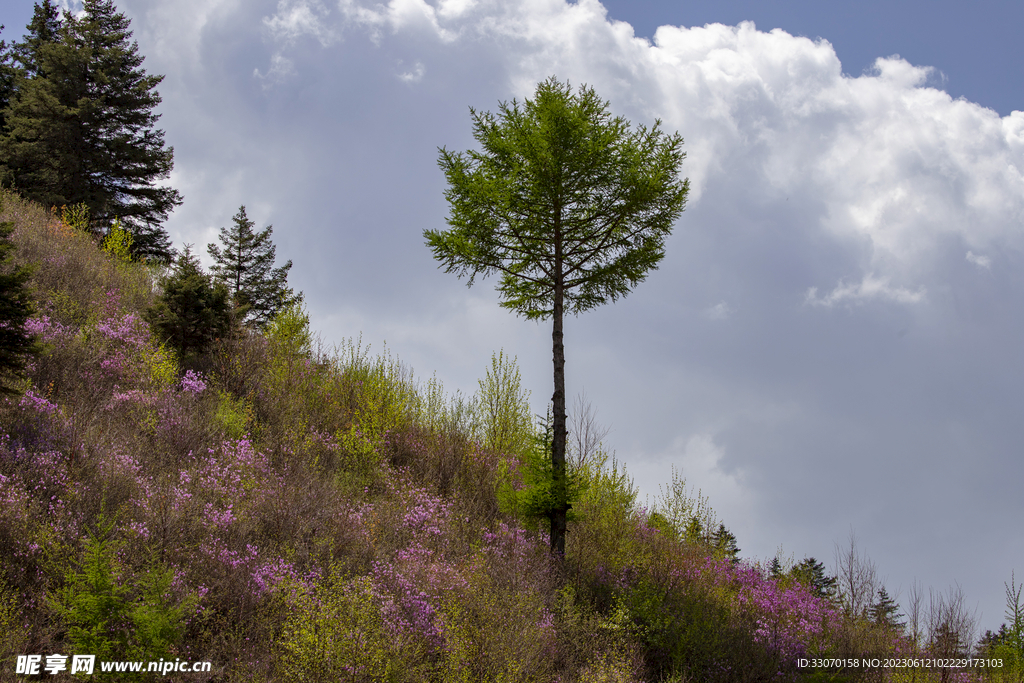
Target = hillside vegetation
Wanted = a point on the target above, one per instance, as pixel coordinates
(292, 513)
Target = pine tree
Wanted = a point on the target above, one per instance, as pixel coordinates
(80, 127)
(723, 542)
(811, 573)
(7, 77)
(885, 612)
(193, 310)
(16, 345)
(246, 265)
(44, 29)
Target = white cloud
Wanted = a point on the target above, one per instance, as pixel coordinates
(719, 311)
(280, 68)
(700, 460)
(980, 261)
(297, 18)
(871, 287)
(414, 75)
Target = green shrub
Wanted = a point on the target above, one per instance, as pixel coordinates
(338, 633)
(115, 614)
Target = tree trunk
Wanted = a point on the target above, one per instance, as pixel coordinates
(561, 503)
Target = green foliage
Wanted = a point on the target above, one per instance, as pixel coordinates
(723, 544)
(232, 416)
(563, 196)
(81, 125)
(688, 514)
(43, 29)
(339, 633)
(684, 632)
(569, 207)
(386, 393)
(12, 635)
(114, 614)
(118, 242)
(811, 573)
(1010, 646)
(193, 311)
(496, 635)
(529, 493)
(163, 367)
(504, 408)
(76, 216)
(16, 344)
(245, 264)
(885, 611)
(289, 329)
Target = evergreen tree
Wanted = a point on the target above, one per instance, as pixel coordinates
(811, 573)
(193, 310)
(885, 612)
(723, 542)
(44, 29)
(775, 568)
(7, 75)
(80, 127)
(246, 265)
(16, 345)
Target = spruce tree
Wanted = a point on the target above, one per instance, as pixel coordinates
(723, 543)
(16, 345)
(193, 310)
(811, 573)
(246, 265)
(80, 126)
(885, 612)
(7, 74)
(44, 29)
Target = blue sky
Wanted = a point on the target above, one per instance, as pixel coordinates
(832, 342)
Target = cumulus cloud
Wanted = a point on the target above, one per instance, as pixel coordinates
(980, 261)
(296, 19)
(871, 287)
(834, 211)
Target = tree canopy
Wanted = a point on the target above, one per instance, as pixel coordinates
(246, 265)
(16, 344)
(80, 124)
(193, 310)
(569, 206)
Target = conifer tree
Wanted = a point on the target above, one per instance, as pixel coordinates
(193, 310)
(80, 125)
(571, 208)
(7, 75)
(246, 265)
(44, 29)
(723, 542)
(16, 345)
(811, 573)
(885, 612)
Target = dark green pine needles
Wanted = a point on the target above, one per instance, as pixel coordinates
(246, 265)
(80, 124)
(16, 344)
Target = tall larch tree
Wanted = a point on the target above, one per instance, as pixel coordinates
(80, 127)
(570, 207)
(245, 263)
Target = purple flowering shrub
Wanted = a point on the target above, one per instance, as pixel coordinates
(319, 517)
